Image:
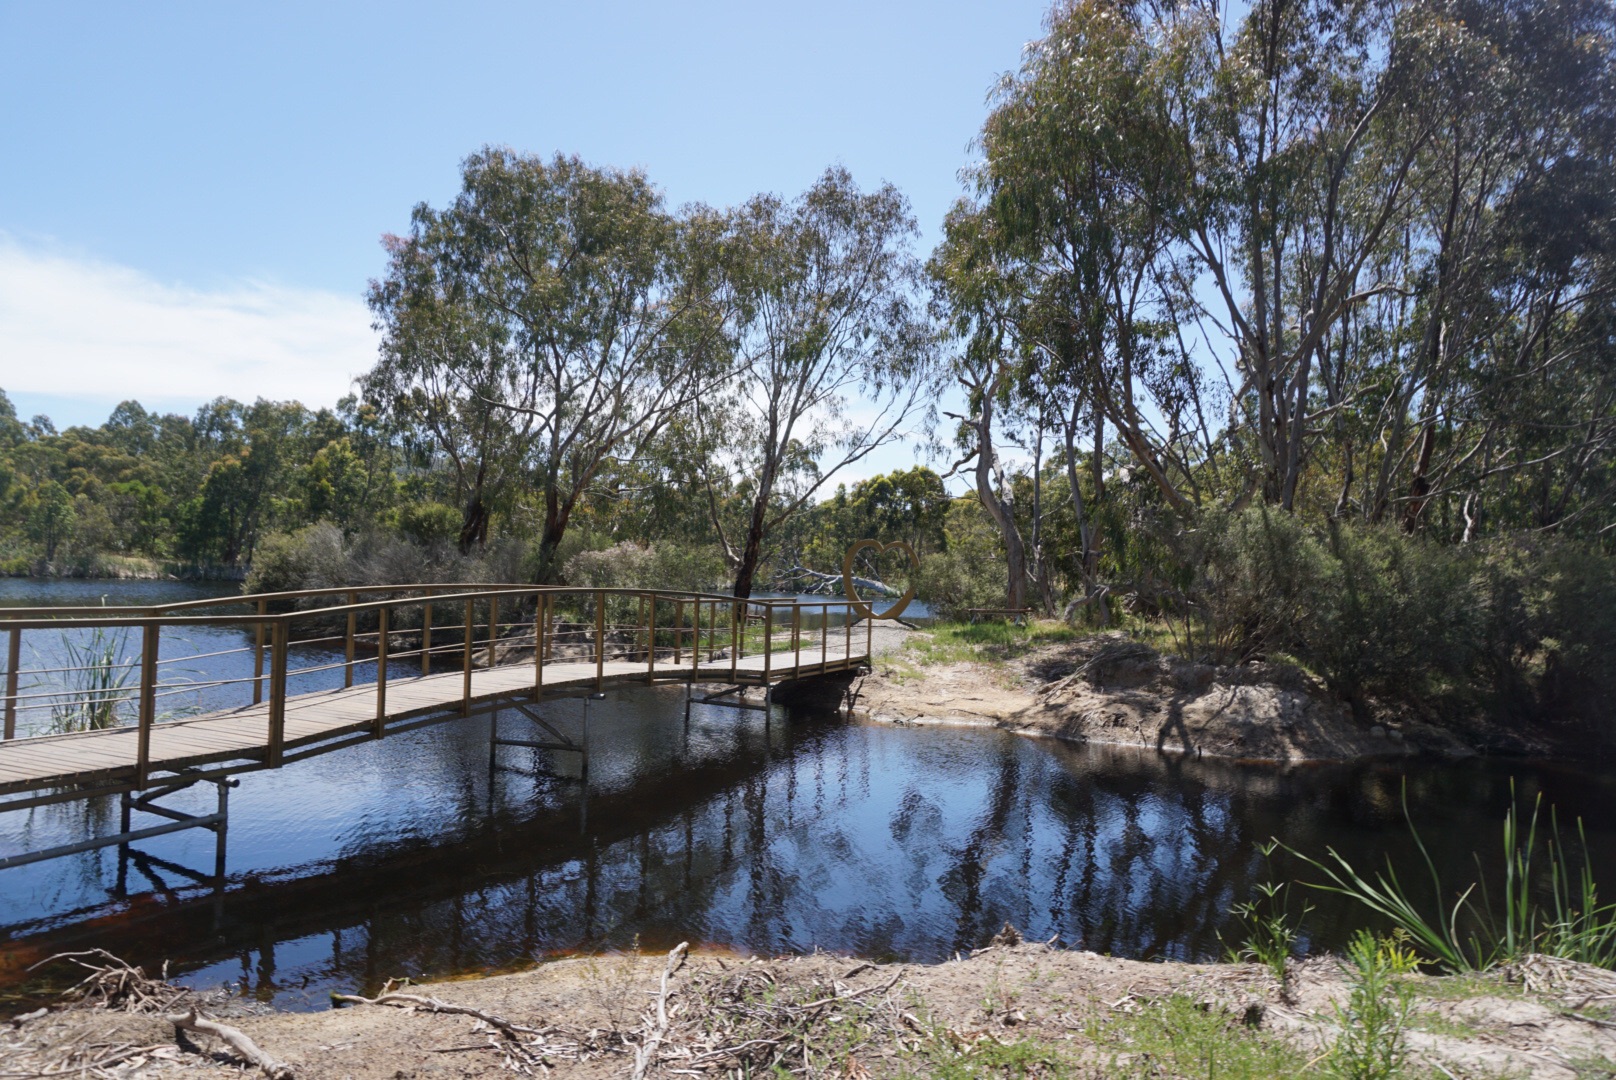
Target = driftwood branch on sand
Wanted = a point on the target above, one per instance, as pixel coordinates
(432, 1004)
(657, 1031)
(236, 1039)
(116, 986)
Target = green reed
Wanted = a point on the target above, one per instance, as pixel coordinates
(97, 679)
(1550, 902)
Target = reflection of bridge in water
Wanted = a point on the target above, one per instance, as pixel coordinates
(404, 665)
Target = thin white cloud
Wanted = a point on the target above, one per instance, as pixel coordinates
(82, 328)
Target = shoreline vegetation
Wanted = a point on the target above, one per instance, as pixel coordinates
(1009, 1009)
(1115, 689)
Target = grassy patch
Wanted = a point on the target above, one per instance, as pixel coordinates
(1466, 986)
(1180, 1037)
(947, 1056)
(986, 642)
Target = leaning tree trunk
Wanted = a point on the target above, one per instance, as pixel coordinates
(1000, 506)
(752, 550)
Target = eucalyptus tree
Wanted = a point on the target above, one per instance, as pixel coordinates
(1080, 176)
(831, 353)
(977, 296)
(1049, 277)
(556, 315)
(1499, 394)
(440, 378)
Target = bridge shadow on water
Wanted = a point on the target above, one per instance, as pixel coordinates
(797, 832)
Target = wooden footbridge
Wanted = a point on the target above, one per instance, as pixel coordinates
(99, 727)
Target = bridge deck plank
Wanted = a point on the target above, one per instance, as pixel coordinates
(108, 756)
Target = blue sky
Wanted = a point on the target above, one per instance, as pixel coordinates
(192, 194)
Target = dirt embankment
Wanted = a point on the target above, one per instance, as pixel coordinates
(1009, 1010)
(1110, 689)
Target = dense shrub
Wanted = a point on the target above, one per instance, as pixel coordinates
(1244, 584)
(970, 571)
(1522, 626)
(640, 566)
(313, 557)
(319, 556)
(429, 523)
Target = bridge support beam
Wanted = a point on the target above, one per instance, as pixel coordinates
(828, 691)
(178, 820)
(557, 741)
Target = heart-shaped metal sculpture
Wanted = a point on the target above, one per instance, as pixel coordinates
(858, 604)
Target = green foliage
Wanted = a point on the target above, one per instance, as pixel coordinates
(312, 557)
(1372, 1042)
(97, 681)
(943, 1058)
(50, 518)
(909, 505)
(1380, 613)
(639, 566)
(1245, 583)
(969, 572)
(427, 522)
(1466, 931)
(1272, 922)
(201, 489)
(1179, 1036)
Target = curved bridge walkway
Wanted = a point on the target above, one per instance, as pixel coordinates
(479, 648)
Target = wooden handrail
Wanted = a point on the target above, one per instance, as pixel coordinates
(273, 635)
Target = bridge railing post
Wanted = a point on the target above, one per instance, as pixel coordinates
(348, 640)
(258, 653)
(600, 640)
(465, 692)
(493, 628)
(13, 658)
(678, 630)
(650, 641)
(426, 639)
(381, 671)
(796, 639)
(768, 639)
(847, 654)
(737, 618)
(540, 603)
(824, 638)
(277, 691)
(148, 701)
(695, 642)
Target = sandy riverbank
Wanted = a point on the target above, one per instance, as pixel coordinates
(1008, 1010)
(1111, 690)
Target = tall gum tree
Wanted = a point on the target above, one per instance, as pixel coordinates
(831, 354)
(582, 321)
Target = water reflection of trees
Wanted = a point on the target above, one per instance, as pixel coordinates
(805, 835)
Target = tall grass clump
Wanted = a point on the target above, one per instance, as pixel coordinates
(1550, 901)
(97, 682)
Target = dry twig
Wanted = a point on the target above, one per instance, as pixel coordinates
(645, 1053)
(522, 1046)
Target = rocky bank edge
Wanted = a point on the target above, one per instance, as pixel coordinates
(1111, 689)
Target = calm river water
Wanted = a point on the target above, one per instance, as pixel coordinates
(402, 857)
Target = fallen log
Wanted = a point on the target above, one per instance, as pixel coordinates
(822, 584)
